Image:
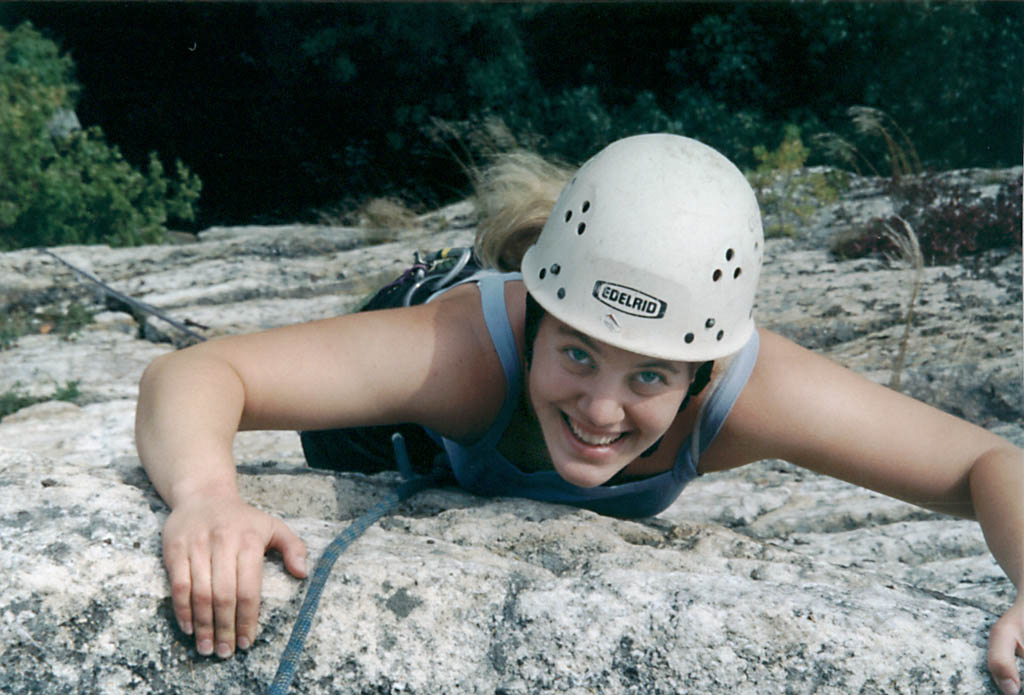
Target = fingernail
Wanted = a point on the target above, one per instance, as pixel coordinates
(1009, 687)
(243, 642)
(223, 650)
(302, 565)
(186, 628)
(205, 647)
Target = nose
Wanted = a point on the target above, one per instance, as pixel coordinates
(601, 405)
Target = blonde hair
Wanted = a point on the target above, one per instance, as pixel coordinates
(513, 197)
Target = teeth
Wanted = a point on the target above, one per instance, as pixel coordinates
(591, 439)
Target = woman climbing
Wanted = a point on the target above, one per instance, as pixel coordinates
(620, 363)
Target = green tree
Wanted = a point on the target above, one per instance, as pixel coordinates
(70, 186)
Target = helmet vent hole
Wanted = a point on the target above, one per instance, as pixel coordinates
(543, 272)
(721, 334)
(561, 293)
(581, 228)
(716, 276)
(555, 269)
(736, 273)
(568, 215)
(710, 323)
(688, 338)
(586, 206)
(729, 254)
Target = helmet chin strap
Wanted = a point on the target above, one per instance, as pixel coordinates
(700, 380)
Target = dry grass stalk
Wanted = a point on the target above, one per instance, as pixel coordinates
(903, 157)
(839, 148)
(909, 251)
(386, 218)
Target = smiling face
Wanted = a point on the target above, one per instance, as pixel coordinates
(599, 407)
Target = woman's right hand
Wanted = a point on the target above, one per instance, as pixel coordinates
(213, 550)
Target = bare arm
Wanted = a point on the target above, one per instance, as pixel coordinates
(432, 364)
(189, 408)
(997, 489)
(803, 408)
(175, 397)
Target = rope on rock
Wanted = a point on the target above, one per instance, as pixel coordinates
(135, 304)
(293, 650)
(413, 484)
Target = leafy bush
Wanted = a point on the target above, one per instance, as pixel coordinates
(951, 220)
(787, 192)
(71, 187)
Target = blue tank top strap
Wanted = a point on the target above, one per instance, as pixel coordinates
(491, 284)
(717, 406)
(492, 297)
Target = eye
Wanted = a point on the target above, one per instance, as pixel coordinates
(649, 378)
(577, 355)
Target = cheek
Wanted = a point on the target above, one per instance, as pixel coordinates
(544, 380)
(658, 414)
(536, 394)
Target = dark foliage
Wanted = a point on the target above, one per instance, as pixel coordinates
(281, 108)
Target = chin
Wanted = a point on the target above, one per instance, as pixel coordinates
(581, 465)
(584, 474)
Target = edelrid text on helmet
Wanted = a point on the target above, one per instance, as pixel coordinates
(655, 247)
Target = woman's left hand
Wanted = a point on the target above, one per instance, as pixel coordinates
(1006, 643)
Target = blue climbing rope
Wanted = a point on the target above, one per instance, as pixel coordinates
(293, 650)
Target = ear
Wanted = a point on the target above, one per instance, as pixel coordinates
(700, 380)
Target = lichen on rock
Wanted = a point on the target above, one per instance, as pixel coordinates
(768, 578)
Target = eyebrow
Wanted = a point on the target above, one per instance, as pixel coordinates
(589, 342)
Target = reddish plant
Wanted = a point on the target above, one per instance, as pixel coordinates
(951, 220)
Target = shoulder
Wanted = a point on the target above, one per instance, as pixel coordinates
(791, 392)
(465, 302)
(468, 385)
(804, 408)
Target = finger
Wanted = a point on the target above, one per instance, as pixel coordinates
(178, 572)
(291, 547)
(250, 579)
(225, 586)
(1005, 642)
(202, 599)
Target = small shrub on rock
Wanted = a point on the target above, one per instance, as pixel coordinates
(787, 192)
(15, 399)
(951, 220)
(64, 322)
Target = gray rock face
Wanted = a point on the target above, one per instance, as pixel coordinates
(765, 579)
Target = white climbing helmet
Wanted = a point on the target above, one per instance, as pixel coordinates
(654, 247)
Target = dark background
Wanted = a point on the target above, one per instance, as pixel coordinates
(289, 110)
